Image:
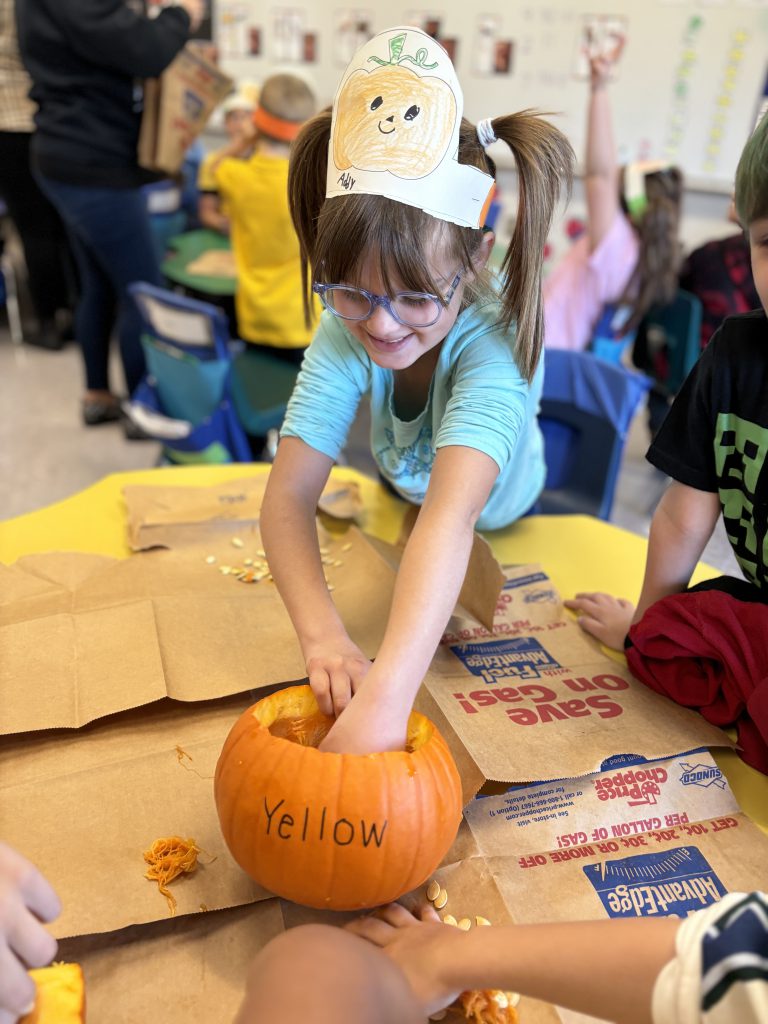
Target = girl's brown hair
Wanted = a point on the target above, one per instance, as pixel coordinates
(655, 278)
(335, 234)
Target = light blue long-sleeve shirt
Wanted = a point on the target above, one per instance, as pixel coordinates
(478, 398)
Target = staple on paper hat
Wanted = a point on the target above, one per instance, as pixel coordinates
(395, 130)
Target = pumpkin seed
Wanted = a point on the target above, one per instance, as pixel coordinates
(237, 543)
(442, 899)
(513, 998)
(465, 924)
(433, 890)
(450, 919)
(225, 570)
(211, 559)
(346, 547)
(440, 1015)
(480, 921)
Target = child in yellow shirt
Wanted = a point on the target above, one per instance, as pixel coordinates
(268, 300)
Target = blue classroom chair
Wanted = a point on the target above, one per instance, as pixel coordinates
(587, 406)
(203, 393)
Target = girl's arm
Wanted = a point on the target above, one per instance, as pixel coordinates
(681, 526)
(335, 665)
(601, 171)
(606, 969)
(430, 577)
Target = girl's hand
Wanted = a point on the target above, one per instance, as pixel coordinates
(335, 669)
(26, 899)
(426, 950)
(602, 61)
(370, 724)
(604, 617)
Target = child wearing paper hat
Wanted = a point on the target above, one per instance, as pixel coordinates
(630, 254)
(388, 193)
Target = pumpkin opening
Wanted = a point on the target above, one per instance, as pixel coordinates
(293, 714)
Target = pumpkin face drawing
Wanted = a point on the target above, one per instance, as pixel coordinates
(393, 119)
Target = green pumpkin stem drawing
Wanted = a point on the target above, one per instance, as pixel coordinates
(396, 46)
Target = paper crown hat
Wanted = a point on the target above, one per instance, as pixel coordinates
(395, 130)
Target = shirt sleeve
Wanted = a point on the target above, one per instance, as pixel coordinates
(683, 447)
(230, 177)
(328, 389)
(719, 973)
(111, 34)
(489, 401)
(206, 179)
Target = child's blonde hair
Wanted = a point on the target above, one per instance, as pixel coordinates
(335, 233)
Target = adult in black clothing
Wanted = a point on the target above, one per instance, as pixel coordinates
(86, 59)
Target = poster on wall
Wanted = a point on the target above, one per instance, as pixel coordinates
(433, 24)
(233, 35)
(291, 43)
(493, 54)
(353, 27)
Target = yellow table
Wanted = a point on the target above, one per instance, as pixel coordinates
(577, 552)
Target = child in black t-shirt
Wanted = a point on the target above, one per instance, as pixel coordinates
(713, 443)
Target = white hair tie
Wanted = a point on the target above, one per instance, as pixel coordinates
(485, 132)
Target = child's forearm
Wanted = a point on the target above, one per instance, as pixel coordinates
(680, 529)
(289, 534)
(601, 158)
(603, 968)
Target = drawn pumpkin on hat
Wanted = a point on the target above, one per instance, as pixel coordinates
(393, 118)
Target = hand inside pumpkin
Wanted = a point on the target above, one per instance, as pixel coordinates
(336, 668)
(375, 721)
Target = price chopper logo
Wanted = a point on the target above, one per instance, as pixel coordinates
(704, 775)
(637, 786)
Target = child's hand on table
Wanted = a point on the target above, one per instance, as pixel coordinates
(26, 899)
(422, 947)
(604, 617)
(335, 668)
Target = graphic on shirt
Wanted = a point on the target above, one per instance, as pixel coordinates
(740, 461)
(404, 463)
(500, 660)
(670, 884)
(395, 130)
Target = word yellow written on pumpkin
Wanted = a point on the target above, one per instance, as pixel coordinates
(316, 824)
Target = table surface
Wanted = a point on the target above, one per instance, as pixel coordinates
(188, 247)
(577, 552)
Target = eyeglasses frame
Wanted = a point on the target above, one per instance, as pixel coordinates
(385, 301)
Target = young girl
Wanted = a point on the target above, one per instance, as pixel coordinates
(451, 367)
(630, 252)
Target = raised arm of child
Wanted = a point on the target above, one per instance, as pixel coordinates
(601, 168)
(26, 899)
(428, 583)
(681, 526)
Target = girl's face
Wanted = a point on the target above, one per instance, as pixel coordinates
(758, 244)
(393, 345)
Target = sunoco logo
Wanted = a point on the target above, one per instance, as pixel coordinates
(704, 775)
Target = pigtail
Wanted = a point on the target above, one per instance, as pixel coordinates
(544, 159)
(655, 278)
(306, 194)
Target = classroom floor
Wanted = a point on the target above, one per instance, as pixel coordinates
(46, 453)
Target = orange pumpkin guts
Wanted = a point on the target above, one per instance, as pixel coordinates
(60, 997)
(333, 831)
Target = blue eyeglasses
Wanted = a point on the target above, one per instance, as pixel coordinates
(413, 309)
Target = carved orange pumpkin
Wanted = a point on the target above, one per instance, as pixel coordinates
(334, 831)
(392, 119)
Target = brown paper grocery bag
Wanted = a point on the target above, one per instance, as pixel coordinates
(189, 89)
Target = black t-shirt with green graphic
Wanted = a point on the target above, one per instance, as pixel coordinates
(715, 436)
